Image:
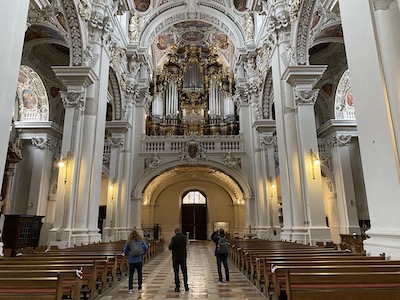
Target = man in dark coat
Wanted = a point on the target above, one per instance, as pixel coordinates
(179, 254)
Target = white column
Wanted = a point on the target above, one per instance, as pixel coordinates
(41, 139)
(76, 80)
(13, 24)
(376, 91)
(134, 217)
(339, 134)
(116, 201)
(96, 118)
(303, 79)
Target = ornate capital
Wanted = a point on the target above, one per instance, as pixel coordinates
(305, 96)
(382, 4)
(116, 142)
(338, 140)
(269, 140)
(73, 99)
(44, 143)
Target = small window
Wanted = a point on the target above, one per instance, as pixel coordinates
(194, 197)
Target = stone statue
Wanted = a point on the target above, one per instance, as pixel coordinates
(248, 25)
(134, 27)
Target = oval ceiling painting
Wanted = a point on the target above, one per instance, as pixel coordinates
(193, 25)
(193, 36)
(142, 5)
(240, 5)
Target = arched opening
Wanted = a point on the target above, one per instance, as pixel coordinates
(194, 215)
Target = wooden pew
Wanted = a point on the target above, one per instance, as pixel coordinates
(279, 272)
(94, 271)
(107, 264)
(343, 286)
(251, 257)
(38, 288)
(265, 267)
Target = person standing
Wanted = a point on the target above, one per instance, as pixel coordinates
(179, 254)
(221, 253)
(135, 247)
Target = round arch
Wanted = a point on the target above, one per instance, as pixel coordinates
(174, 15)
(233, 178)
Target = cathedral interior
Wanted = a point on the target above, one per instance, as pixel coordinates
(272, 119)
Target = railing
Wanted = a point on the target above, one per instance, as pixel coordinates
(175, 144)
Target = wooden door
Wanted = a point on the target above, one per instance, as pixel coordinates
(194, 221)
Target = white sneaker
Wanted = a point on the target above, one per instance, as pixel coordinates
(140, 290)
(130, 291)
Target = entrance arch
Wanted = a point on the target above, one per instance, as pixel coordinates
(162, 199)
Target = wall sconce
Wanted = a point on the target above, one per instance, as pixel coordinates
(273, 184)
(314, 162)
(63, 160)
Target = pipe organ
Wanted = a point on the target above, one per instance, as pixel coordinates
(192, 94)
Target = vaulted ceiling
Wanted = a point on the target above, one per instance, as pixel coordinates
(203, 23)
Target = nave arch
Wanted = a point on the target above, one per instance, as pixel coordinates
(162, 195)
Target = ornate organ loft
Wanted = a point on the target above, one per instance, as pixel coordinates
(192, 95)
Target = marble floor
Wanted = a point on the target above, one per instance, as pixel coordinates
(158, 279)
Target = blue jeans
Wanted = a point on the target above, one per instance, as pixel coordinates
(138, 266)
(182, 264)
(222, 258)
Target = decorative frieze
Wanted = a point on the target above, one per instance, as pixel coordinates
(303, 29)
(75, 31)
(294, 8)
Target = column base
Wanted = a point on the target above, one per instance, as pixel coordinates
(317, 234)
(66, 238)
(383, 241)
(295, 234)
(306, 235)
(116, 234)
(267, 232)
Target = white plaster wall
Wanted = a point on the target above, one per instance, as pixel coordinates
(167, 209)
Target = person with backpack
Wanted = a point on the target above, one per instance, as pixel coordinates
(135, 247)
(221, 252)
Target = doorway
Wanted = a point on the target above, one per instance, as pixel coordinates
(194, 215)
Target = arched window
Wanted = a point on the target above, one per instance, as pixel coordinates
(194, 197)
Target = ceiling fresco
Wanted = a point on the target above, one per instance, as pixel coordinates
(188, 25)
(188, 33)
(142, 5)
